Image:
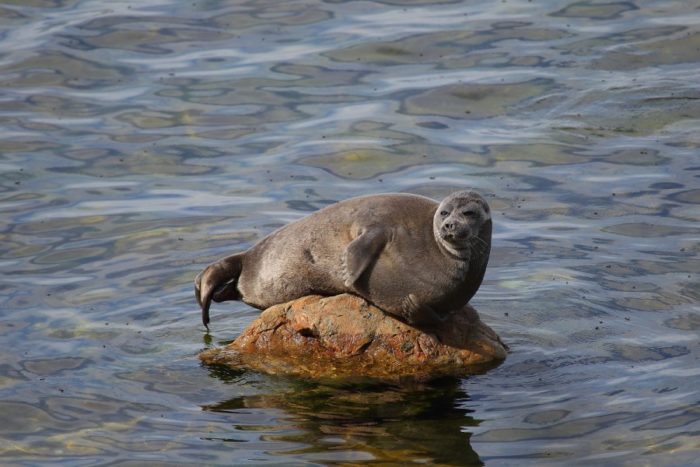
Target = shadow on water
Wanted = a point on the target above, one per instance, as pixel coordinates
(355, 421)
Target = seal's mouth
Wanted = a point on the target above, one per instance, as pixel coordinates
(456, 238)
(459, 245)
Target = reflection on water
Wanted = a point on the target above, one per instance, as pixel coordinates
(362, 423)
(142, 141)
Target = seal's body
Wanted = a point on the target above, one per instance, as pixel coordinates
(407, 254)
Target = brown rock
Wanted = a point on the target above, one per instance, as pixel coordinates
(345, 336)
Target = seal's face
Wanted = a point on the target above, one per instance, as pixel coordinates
(462, 224)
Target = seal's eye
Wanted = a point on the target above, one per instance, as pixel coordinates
(469, 213)
(444, 213)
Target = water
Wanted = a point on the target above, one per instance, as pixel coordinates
(142, 140)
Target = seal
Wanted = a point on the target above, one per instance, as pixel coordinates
(409, 255)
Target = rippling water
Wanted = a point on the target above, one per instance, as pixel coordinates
(142, 140)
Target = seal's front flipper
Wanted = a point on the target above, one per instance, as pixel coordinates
(218, 282)
(361, 253)
(419, 314)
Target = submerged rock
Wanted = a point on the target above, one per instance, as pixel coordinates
(345, 336)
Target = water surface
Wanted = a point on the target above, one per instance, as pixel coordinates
(142, 140)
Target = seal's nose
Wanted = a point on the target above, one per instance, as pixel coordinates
(449, 226)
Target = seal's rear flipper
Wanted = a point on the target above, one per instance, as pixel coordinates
(218, 282)
(361, 253)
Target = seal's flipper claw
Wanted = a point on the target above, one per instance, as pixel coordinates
(203, 292)
(205, 303)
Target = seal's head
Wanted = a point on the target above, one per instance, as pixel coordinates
(462, 225)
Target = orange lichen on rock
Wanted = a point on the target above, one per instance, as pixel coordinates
(345, 336)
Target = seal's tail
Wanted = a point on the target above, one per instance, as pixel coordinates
(218, 282)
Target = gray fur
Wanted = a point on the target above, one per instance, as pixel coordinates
(404, 253)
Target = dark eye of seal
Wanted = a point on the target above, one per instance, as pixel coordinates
(469, 213)
(444, 213)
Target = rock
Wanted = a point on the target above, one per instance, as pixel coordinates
(344, 336)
